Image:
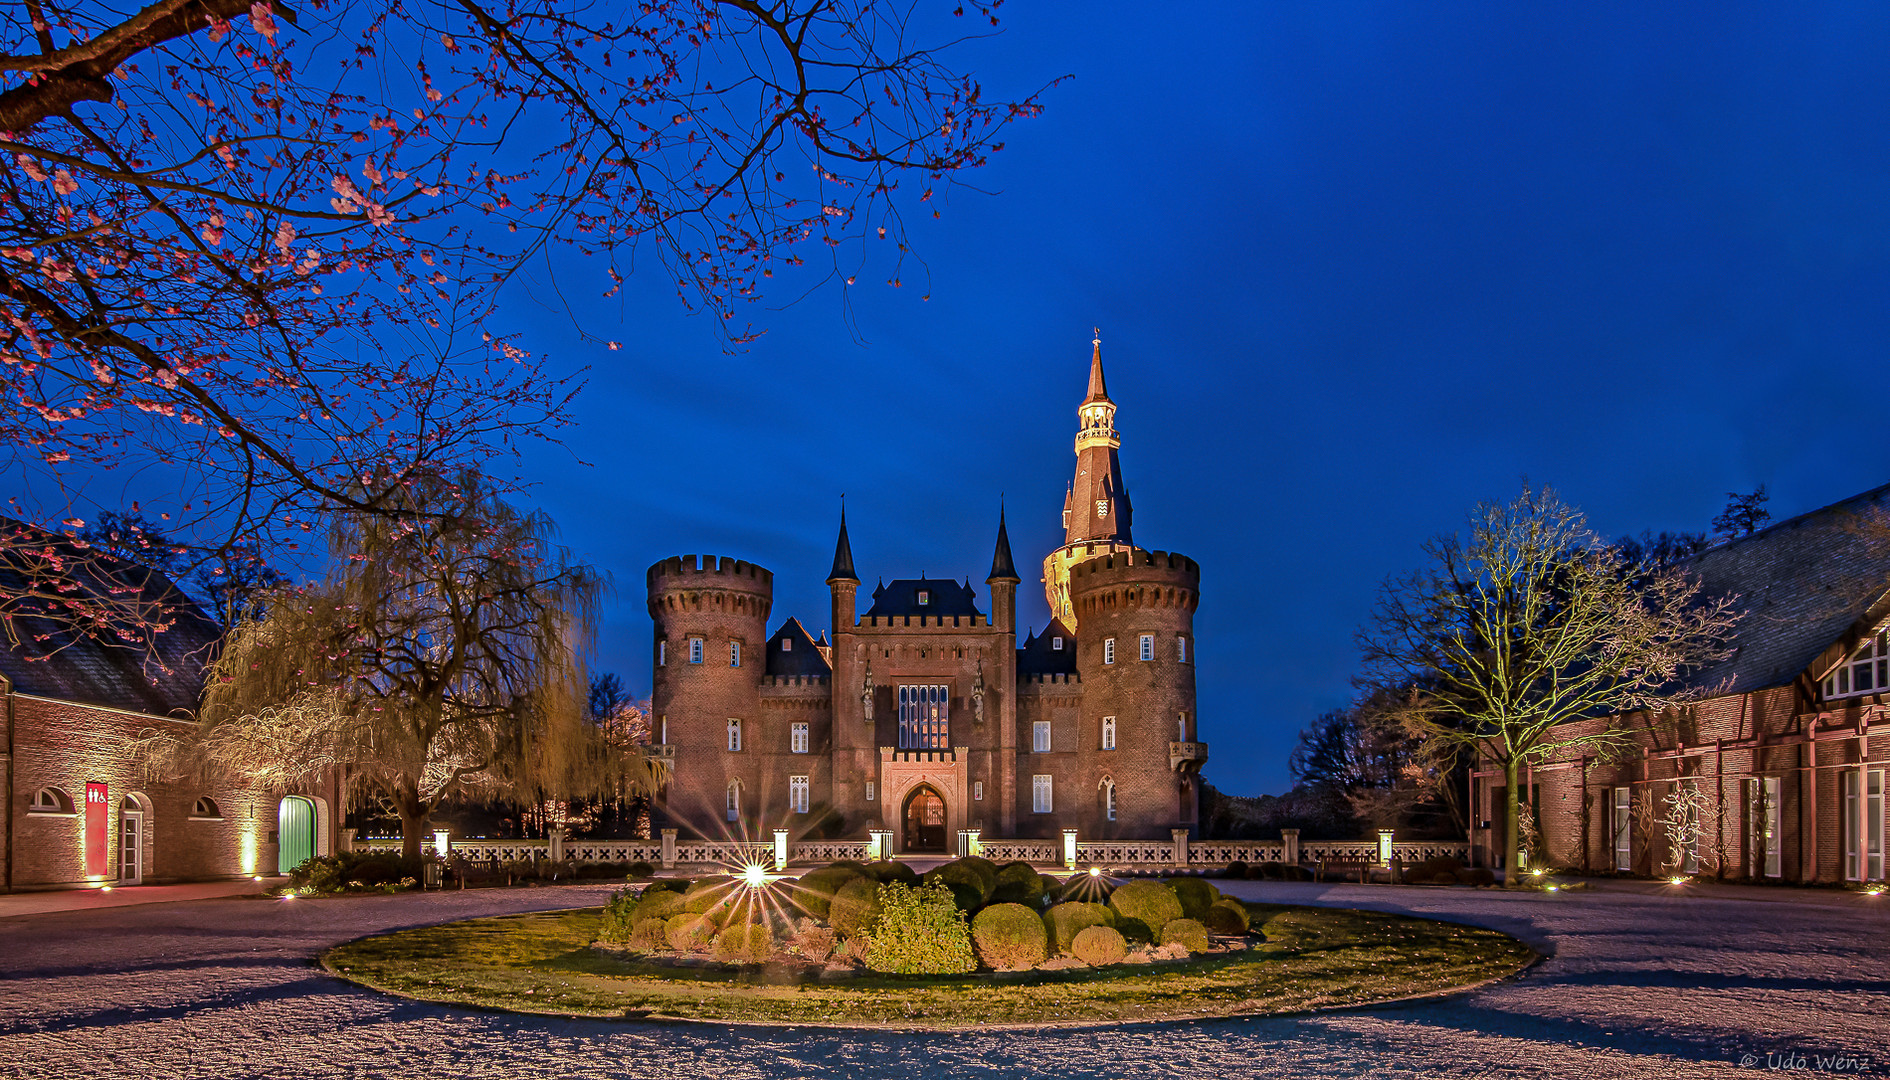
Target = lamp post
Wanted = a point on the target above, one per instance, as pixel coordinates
(1069, 849)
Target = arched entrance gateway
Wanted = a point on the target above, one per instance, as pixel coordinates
(925, 820)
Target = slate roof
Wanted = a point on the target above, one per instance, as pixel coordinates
(901, 597)
(1040, 656)
(159, 673)
(1802, 585)
(805, 657)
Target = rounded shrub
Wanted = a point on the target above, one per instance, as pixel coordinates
(706, 893)
(858, 867)
(1066, 920)
(983, 867)
(1187, 933)
(887, 870)
(1235, 870)
(1226, 916)
(1010, 937)
(919, 932)
(1150, 903)
(659, 904)
(855, 907)
(619, 918)
(1476, 875)
(688, 932)
(1195, 894)
(744, 943)
(676, 885)
(1018, 883)
(639, 871)
(981, 879)
(1085, 887)
(814, 891)
(1099, 946)
(650, 935)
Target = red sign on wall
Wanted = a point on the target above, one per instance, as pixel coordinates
(98, 831)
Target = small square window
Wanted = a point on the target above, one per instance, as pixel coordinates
(1146, 645)
(1056, 644)
(787, 644)
(925, 598)
(1109, 650)
(695, 650)
(1040, 737)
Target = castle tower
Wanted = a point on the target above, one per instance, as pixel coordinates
(1096, 511)
(710, 653)
(1135, 657)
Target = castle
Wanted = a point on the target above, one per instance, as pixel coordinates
(924, 716)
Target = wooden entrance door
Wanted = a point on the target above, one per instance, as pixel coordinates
(130, 847)
(925, 820)
(295, 833)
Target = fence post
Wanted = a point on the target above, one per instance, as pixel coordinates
(1069, 849)
(881, 845)
(1181, 846)
(556, 846)
(669, 849)
(1289, 843)
(1384, 847)
(347, 839)
(780, 849)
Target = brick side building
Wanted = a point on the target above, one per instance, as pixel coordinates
(925, 715)
(80, 809)
(1787, 753)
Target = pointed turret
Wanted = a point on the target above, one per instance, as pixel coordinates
(1096, 511)
(1002, 568)
(843, 555)
(1098, 391)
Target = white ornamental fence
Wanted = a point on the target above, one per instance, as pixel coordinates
(1123, 854)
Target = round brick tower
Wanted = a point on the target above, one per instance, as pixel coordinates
(1135, 654)
(708, 659)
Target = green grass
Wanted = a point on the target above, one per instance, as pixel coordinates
(1312, 958)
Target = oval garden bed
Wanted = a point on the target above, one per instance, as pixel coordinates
(968, 945)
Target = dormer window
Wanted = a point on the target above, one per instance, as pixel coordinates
(787, 644)
(925, 597)
(1867, 670)
(1056, 644)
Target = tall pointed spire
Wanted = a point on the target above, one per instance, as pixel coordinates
(843, 552)
(1098, 390)
(1002, 568)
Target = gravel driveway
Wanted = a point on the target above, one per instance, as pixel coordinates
(1636, 986)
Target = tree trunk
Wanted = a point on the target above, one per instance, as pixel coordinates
(415, 816)
(1512, 838)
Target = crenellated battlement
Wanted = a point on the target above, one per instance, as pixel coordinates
(923, 622)
(795, 682)
(709, 571)
(1136, 565)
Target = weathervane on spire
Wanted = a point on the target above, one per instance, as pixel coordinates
(1097, 340)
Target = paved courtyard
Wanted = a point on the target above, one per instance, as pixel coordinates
(1639, 985)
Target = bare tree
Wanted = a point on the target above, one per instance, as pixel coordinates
(1526, 623)
(1743, 516)
(251, 252)
(441, 658)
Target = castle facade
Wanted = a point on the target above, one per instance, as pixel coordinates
(924, 715)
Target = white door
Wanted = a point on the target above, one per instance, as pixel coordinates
(1623, 852)
(131, 847)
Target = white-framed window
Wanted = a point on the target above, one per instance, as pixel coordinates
(787, 644)
(1040, 802)
(1109, 650)
(1040, 736)
(797, 794)
(662, 653)
(206, 809)
(734, 800)
(734, 654)
(925, 598)
(1181, 648)
(1619, 817)
(1056, 643)
(50, 800)
(1863, 825)
(1145, 646)
(924, 717)
(797, 738)
(1867, 670)
(1109, 798)
(869, 791)
(1109, 733)
(734, 734)
(977, 791)
(695, 650)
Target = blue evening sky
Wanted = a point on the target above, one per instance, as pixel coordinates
(1357, 266)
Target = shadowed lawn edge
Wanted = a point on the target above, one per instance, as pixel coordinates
(1311, 959)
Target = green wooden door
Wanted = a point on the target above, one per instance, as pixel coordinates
(295, 833)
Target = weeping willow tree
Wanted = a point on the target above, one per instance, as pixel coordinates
(442, 657)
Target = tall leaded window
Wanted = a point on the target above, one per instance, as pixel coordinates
(1109, 798)
(797, 794)
(1109, 733)
(1867, 669)
(695, 650)
(1040, 794)
(734, 654)
(734, 734)
(797, 738)
(924, 717)
(735, 800)
(1109, 650)
(1146, 646)
(1040, 736)
(1181, 648)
